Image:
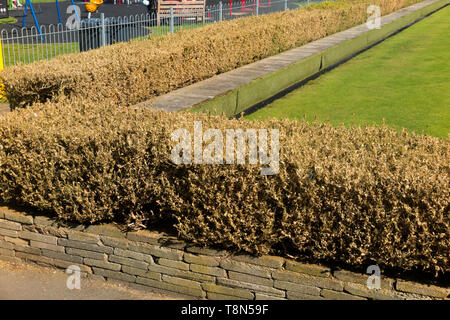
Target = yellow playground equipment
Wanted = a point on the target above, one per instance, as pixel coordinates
(93, 5)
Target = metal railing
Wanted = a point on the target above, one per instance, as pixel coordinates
(27, 45)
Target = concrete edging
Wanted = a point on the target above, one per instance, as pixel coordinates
(149, 260)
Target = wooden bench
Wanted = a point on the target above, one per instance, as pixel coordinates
(181, 8)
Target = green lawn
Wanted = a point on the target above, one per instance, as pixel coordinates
(404, 80)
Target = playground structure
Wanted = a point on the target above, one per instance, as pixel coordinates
(25, 45)
(196, 8)
(14, 4)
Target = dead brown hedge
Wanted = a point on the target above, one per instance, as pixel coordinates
(351, 195)
(128, 73)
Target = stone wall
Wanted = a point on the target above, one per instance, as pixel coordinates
(155, 260)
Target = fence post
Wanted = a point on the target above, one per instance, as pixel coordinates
(102, 19)
(220, 11)
(285, 5)
(171, 20)
(257, 7)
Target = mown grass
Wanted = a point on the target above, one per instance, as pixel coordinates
(403, 81)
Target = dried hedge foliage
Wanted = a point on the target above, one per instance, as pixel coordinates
(128, 73)
(351, 195)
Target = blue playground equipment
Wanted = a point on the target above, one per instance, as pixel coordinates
(28, 4)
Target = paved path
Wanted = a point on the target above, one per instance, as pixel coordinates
(29, 282)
